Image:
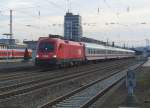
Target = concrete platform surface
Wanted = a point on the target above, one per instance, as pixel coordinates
(128, 107)
(120, 99)
(147, 63)
(10, 64)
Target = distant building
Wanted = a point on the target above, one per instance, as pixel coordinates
(142, 50)
(90, 40)
(54, 36)
(7, 41)
(72, 27)
(3, 46)
(31, 44)
(17, 46)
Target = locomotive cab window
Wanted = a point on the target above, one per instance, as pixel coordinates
(46, 46)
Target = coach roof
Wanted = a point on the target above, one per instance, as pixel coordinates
(97, 46)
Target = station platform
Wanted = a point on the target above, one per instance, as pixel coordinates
(147, 64)
(16, 63)
(119, 98)
(10, 61)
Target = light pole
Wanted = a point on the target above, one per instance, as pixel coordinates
(7, 34)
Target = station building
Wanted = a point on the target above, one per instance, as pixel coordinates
(7, 41)
(3, 46)
(72, 27)
(31, 44)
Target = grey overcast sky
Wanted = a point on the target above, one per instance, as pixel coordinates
(114, 20)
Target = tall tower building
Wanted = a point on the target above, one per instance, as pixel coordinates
(72, 27)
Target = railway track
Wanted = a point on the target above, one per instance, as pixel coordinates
(23, 74)
(38, 74)
(16, 77)
(16, 69)
(84, 97)
(12, 90)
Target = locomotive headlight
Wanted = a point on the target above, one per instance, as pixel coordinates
(37, 56)
(54, 56)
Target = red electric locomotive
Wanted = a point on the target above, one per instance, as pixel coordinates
(56, 51)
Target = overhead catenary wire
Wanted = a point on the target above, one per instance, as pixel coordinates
(38, 13)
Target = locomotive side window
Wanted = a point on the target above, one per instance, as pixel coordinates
(46, 46)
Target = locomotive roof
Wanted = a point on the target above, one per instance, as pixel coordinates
(97, 46)
(60, 40)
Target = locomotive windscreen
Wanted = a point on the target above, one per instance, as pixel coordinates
(46, 46)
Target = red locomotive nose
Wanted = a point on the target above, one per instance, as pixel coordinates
(46, 50)
(46, 53)
(37, 56)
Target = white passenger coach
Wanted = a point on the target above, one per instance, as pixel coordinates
(96, 52)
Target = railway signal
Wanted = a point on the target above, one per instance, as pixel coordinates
(130, 82)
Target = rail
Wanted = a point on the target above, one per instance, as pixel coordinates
(85, 96)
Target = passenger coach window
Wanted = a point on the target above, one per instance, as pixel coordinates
(46, 46)
(89, 51)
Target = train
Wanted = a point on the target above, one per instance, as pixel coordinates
(15, 53)
(56, 51)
